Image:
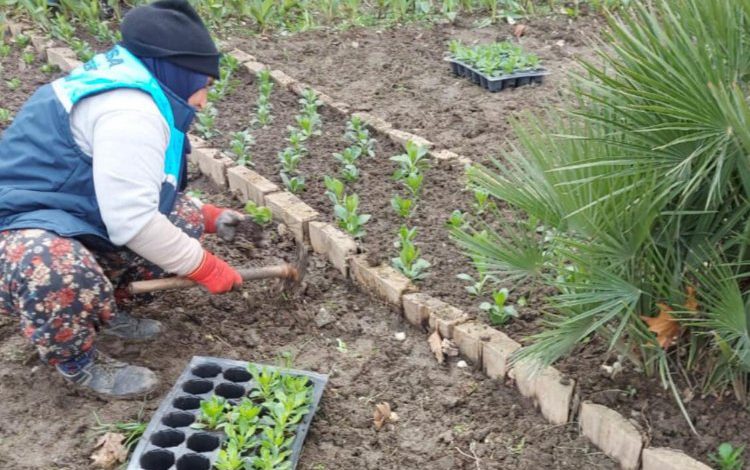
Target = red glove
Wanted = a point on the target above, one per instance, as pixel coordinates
(215, 275)
(210, 214)
(224, 222)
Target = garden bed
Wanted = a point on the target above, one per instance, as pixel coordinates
(399, 75)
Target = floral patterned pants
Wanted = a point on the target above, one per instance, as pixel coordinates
(63, 292)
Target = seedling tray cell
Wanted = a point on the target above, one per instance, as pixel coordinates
(170, 443)
(495, 84)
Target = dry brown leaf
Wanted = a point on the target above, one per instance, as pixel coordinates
(382, 415)
(436, 346)
(691, 303)
(449, 348)
(519, 30)
(110, 450)
(665, 326)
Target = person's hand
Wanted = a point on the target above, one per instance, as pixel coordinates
(215, 275)
(220, 221)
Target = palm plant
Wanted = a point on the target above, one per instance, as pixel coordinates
(643, 189)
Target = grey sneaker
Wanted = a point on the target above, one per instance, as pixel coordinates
(111, 378)
(128, 327)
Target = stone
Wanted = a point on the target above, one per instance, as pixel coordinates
(213, 164)
(468, 337)
(63, 58)
(255, 67)
(336, 245)
(402, 137)
(284, 80)
(663, 458)
(298, 88)
(40, 43)
(417, 308)
(496, 354)
(242, 56)
(399, 336)
(249, 185)
(324, 317)
(383, 281)
(290, 209)
(444, 317)
(462, 364)
(376, 123)
(610, 432)
(554, 392)
(444, 155)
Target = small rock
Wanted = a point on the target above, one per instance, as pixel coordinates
(462, 364)
(324, 317)
(446, 436)
(355, 44)
(400, 336)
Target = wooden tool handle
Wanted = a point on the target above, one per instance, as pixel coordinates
(283, 271)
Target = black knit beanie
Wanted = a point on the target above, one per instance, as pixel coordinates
(172, 30)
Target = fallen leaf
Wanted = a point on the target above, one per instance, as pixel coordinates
(383, 414)
(110, 450)
(691, 303)
(519, 30)
(665, 326)
(436, 346)
(449, 348)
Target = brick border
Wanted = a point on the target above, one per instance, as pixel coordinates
(488, 348)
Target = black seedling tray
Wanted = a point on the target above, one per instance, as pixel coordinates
(495, 84)
(169, 443)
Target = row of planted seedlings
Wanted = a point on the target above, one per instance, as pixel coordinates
(400, 204)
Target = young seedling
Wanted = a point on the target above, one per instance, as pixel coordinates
(261, 215)
(5, 116)
(263, 116)
(5, 50)
(728, 457)
(413, 182)
(290, 160)
(310, 103)
(83, 49)
(230, 458)
(132, 430)
(349, 219)
(498, 312)
(308, 126)
(13, 84)
(402, 206)
(49, 69)
(239, 147)
(296, 140)
(477, 287)
(212, 413)
(28, 57)
(335, 190)
(266, 381)
(457, 220)
(413, 161)
(22, 41)
(481, 200)
(295, 184)
(348, 156)
(409, 262)
(206, 122)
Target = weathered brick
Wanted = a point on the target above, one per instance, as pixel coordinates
(196, 142)
(382, 281)
(417, 308)
(213, 164)
(255, 67)
(335, 244)
(284, 80)
(374, 122)
(249, 185)
(342, 108)
(525, 375)
(496, 354)
(554, 392)
(402, 137)
(242, 56)
(662, 458)
(611, 433)
(63, 58)
(444, 317)
(40, 43)
(470, 338)
(290, 209)
(443, 155)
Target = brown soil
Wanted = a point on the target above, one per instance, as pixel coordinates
(399, 74)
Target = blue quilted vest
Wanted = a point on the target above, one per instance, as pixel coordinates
(46, 180)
